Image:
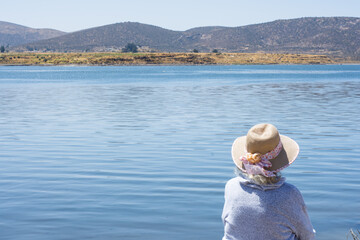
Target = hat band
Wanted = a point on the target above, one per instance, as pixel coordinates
(255, 163)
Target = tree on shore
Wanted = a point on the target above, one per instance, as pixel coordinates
(130, 47)
(195, 51)
(2, 49)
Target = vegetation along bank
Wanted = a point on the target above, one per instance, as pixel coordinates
(160, 58)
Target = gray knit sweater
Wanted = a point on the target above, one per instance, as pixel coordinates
(270, 212)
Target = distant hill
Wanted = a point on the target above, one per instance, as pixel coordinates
(335, 36)
(13, 34)
(114, 36)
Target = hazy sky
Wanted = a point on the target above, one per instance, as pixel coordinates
(73, 15)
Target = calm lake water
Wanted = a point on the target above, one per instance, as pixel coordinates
(144, 152)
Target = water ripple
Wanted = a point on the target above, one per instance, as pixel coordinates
(144, 152)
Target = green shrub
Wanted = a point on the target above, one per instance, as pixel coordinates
(130, 47)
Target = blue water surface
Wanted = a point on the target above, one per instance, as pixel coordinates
(143, 152)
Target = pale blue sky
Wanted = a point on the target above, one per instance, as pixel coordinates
(73, 15)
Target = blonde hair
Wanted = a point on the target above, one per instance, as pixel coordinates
(259, 179)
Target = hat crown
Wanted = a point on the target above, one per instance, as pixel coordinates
(262, 138)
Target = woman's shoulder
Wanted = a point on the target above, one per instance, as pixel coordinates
(292, 193)
(284, 187)
(233, 182)
(290, 188)
(230, 182)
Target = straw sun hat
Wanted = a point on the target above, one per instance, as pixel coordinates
(261, 145)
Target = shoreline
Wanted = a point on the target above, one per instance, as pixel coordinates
(149, 59)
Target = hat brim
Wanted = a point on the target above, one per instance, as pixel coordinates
(286, 157)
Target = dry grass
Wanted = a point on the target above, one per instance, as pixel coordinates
(159, 58)
(354, 235)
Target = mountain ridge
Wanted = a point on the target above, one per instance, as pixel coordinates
(334, 36)
(12, 34)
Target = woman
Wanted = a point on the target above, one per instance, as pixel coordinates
(259, 204)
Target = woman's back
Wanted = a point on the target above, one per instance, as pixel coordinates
(273, 211)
